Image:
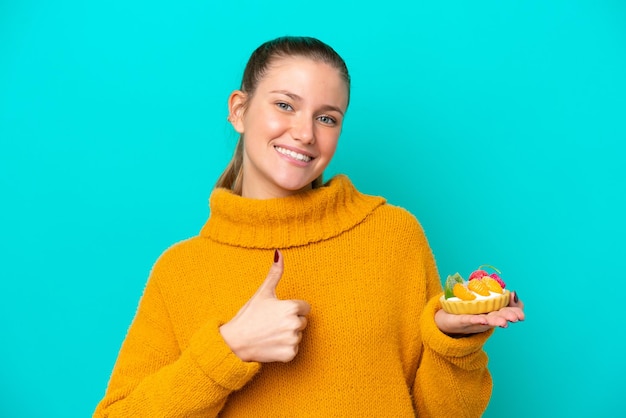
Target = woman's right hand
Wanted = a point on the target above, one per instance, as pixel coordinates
(267, 329)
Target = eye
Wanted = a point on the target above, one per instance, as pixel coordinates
(327, 120)
(284, 106)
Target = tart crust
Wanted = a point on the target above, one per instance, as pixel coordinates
(474, 307)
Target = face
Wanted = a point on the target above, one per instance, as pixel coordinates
(290, 126)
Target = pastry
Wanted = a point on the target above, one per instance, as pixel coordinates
(481, 293)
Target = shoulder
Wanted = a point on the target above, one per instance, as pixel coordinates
(399, 220)
(180, 254)
(382, 208)
(397, 214)
(389, 215)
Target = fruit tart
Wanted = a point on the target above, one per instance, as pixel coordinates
(481, 293)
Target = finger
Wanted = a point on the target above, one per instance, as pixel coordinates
(301, 307)
(478, 320)
(514, 300)
(268, 287)
(303, 322)
(513, 314)
(495, 319)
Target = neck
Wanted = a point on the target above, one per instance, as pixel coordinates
(261, 193)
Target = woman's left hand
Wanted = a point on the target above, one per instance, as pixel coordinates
(456, 325)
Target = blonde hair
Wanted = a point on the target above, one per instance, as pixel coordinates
(257, 66)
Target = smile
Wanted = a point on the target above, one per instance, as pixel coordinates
(293, 154)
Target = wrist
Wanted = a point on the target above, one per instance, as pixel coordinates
(230, 338)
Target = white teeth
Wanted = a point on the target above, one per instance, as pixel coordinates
(293, 154)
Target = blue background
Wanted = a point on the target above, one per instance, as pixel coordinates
(499, 124)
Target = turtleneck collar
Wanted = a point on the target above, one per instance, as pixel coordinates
(306, 217)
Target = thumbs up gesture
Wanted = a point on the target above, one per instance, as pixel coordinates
(267, 329)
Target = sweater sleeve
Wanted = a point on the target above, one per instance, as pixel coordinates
(152, 377)
(452, 378)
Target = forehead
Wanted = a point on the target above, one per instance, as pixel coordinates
(307, 78)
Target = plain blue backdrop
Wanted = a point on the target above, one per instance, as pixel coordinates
(499, 124)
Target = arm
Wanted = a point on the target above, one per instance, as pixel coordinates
(152, 377)
(452, 377)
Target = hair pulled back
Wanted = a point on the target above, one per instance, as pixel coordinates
(256, 68)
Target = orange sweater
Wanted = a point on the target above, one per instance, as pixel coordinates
(371, 348)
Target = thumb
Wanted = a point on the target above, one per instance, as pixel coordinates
(268, 287)
(515, 301)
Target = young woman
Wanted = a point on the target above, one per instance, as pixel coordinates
(347, 320)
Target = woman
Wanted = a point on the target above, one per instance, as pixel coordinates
(347, 321)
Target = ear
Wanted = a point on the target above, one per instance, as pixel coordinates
(236, 108)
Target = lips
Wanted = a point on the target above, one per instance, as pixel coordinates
(293, 154)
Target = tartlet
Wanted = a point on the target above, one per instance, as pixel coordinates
(481, 293)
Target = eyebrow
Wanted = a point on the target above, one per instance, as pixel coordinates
(297, 98)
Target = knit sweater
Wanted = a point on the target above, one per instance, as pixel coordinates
(371, 347)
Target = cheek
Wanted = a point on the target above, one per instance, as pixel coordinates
(328, 144)
(258, 121)
(268, 123)
(274, 126)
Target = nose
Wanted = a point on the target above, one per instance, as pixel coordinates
(303, 130)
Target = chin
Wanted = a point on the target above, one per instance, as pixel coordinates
(293, 187)
(299, 188)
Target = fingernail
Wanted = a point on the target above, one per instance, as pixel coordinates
(515, 298)
(276, 260)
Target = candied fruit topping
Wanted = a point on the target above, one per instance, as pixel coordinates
(463, 292)
(492, 284)
(478, 274)
(498, 279)
(479, 287)
(450, 282)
